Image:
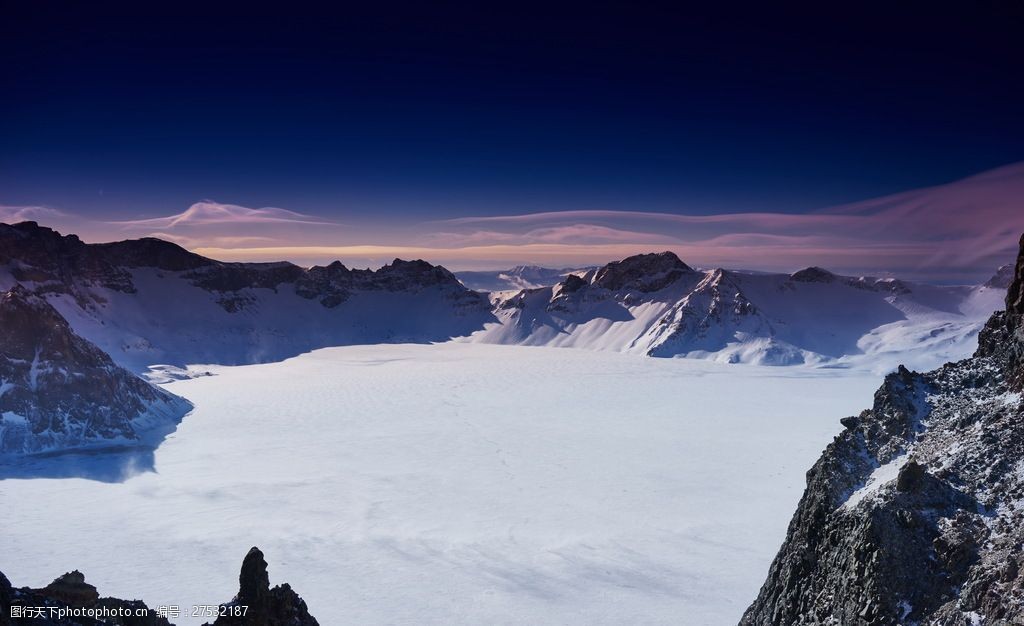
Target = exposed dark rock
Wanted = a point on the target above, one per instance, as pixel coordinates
(572, 284)
(642, 272)
(813, 275)
(939, 541)
(70, 601)
(279, 606)
(911, 477)
(58, 391)
(71, 589)
(257, 604)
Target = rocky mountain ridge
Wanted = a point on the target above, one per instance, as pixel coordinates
(915, 513)
(64, 263)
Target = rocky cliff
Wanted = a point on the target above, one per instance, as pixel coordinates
(915, 513)
(60, 392)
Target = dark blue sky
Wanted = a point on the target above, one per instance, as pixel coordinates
(467, 109)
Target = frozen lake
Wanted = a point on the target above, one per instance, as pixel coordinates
(455, 484)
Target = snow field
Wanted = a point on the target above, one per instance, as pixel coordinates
(455, 484)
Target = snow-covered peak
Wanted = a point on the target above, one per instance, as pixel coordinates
(641, 272)
(655, 304)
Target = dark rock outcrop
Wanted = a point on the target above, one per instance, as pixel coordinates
(813, 275)
(59, 392)
(71, 601)
(643, 272)
(572, 284)
(915, 513)
(264, 606)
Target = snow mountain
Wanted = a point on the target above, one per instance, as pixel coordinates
(79, 313)
(657, 305)
(150, 302)
(156, 308)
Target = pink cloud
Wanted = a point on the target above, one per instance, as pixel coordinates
(14, 214)
(961, 230)
(967, 228)
(209, 212)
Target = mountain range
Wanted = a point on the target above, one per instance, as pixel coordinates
(89, 317)
(657, 305)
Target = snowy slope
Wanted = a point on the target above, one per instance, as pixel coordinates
(149, 302)
(811, 316)
(169, 320)
(455, 484)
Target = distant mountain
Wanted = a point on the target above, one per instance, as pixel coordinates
(148, 301)
(655, 304)
(915, 513)
(519, 277)
(73, 310)
(59, 392)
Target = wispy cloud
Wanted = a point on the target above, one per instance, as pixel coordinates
(569, 234)
(964, 229)
(208, 213)
(216, 224)
(960, 231)
(13, 214)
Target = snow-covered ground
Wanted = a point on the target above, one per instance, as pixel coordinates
(454, 484)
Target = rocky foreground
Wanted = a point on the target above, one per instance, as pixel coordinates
(915, 513)
(70, 601)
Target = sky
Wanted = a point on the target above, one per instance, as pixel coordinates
(485, 136)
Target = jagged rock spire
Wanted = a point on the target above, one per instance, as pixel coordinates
(264, 606)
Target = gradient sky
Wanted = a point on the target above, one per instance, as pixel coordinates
(411, 128)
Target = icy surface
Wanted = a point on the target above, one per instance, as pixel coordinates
(454, 484)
